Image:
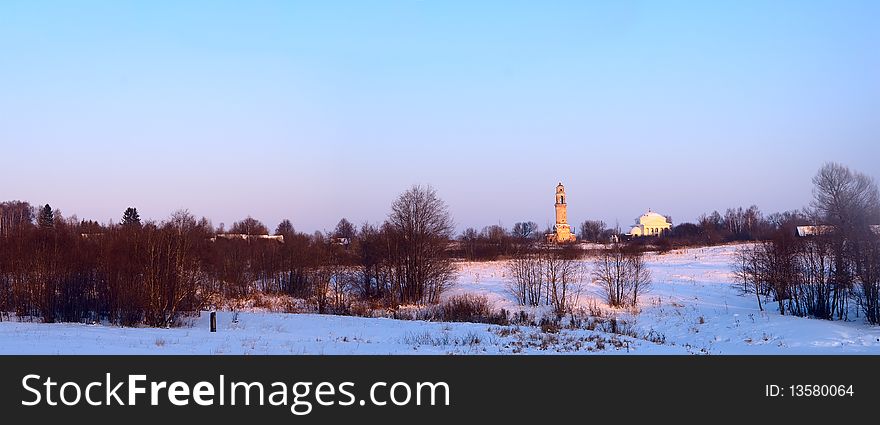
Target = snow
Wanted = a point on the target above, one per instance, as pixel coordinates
(694, 306)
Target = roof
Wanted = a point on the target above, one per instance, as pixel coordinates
(814, 230)
(242, 236)
(823, 229)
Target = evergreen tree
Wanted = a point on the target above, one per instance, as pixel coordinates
(285, 228)
(46, 219)
(131, 217)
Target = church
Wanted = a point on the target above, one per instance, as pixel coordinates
(650, 224)
(561, 230)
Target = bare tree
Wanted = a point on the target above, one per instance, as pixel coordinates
(344, 229)
(849, 202)
(15, 216)
(562, 277)
(422, 229)
(868, 278)
(546, 276)
(249, 226)
(372, 258)
(609, 269)
(748, 269)
(526, 270)
(173, 272)
(524, 230)
(592, 230)
(623, 275)
(469, 239)
(845, 198)
(639, 276)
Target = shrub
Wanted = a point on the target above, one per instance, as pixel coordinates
(471, 308)
(549, 326)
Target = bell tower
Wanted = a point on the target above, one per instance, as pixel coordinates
(561, 230)
(561, 212)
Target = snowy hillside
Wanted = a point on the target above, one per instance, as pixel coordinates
(693, 307)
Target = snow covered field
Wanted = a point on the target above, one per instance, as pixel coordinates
(693, 307)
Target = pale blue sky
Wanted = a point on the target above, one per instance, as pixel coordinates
(319, 110)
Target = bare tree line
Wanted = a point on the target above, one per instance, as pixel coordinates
(821, 274)
(554, 276)
(495, 242)
(126, 275)
(59, 269)
(546, 275)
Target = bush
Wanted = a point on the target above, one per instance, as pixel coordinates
(549, 326)
(471, 308)
(522, 318)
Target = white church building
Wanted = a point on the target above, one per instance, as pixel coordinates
(650, 224)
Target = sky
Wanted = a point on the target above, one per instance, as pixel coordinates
(318, 110)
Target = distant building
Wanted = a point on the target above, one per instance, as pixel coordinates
(561, 230)
(814, 230)
(242, 236)
(336, 240)
(650, 224)
(824, 229)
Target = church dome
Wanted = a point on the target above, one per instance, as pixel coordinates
(651, 217)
